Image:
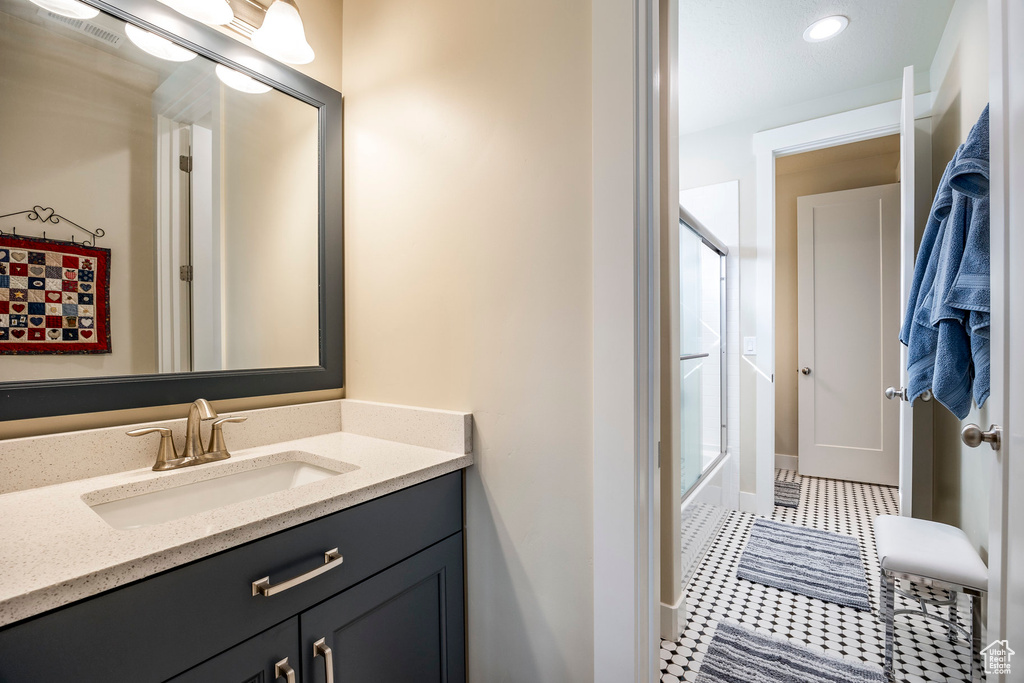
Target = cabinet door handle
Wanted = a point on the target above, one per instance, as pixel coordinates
(320, 649)
(332, 558)
(281, 669)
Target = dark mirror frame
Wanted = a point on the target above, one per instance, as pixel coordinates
(45, 398)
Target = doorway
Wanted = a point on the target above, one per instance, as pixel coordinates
(837, 302)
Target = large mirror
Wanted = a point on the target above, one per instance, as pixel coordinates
(162, 213)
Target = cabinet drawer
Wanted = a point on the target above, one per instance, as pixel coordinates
(158, 627)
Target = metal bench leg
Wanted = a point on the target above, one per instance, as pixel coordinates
(977, 675)
(888, 615)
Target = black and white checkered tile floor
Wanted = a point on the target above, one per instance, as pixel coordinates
(923, 654)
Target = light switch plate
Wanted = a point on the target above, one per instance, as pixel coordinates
(750, 346)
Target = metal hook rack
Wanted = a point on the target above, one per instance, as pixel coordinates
(47, 215)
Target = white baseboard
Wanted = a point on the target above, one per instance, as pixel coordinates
(673, 619)
(748, 502)
(785, 462)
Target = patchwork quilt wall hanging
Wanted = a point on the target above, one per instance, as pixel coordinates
(54, 297)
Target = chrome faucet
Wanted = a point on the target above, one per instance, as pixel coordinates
(194, 454)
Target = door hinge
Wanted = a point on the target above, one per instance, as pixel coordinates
(185, 163)
(186, 273)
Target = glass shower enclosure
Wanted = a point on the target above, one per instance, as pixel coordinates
(702, 350)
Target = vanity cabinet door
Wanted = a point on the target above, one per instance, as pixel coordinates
(254, 660)
(404, 624)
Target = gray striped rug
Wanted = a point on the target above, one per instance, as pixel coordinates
(739, 655)
(817, 563)
(787, 494)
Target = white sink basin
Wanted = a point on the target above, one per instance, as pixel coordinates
(261, 477)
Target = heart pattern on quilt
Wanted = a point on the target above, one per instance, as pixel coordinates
(84, 287)
(3, 253)
(18, 334)
(17, 308)
(53, 296)
(36, 270)
(36, 321)
(86, 334)
(19, 255)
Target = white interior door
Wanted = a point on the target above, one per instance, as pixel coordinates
(907, 187)
(848, 308)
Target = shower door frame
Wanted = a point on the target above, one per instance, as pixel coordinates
(708, 238)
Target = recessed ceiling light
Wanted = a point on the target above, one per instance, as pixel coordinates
(239, 81)
(826, 28)
(158, 46)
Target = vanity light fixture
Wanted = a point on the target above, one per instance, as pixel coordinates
(214, 12)
(282, 35)
(157, 46)
(826, 28)
(239, 81)
(68, 8)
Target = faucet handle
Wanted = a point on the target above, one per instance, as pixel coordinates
(233, 418)
(166, 457)
(217, 446)
(142, 431)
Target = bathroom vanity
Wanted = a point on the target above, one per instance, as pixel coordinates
(351, 570)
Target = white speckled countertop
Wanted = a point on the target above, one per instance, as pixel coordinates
(54, 549)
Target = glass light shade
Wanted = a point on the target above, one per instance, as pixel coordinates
(826, 28)
(157, 46)
(68, 8)
(239, 81)
(282, 36)
(206, 11)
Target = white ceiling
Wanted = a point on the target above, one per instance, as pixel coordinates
(739, 57)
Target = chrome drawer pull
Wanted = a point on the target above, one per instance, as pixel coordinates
(320, 649)
(262, 587)
(282, 669)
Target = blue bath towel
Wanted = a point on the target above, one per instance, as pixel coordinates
(941, 206)
(946, 327)
(918, 333)
(971, 289)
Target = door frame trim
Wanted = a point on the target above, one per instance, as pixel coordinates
(1006, 101)
(626, 335)
(856, 125)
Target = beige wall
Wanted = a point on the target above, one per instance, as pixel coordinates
(860, 164)
(960, 71)
(468, 286)
(76, 132)
(270, 233)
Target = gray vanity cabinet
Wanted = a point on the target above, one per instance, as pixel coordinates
(403, 625)
(391, 610)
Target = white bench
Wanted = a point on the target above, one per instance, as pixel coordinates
(920, 550)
